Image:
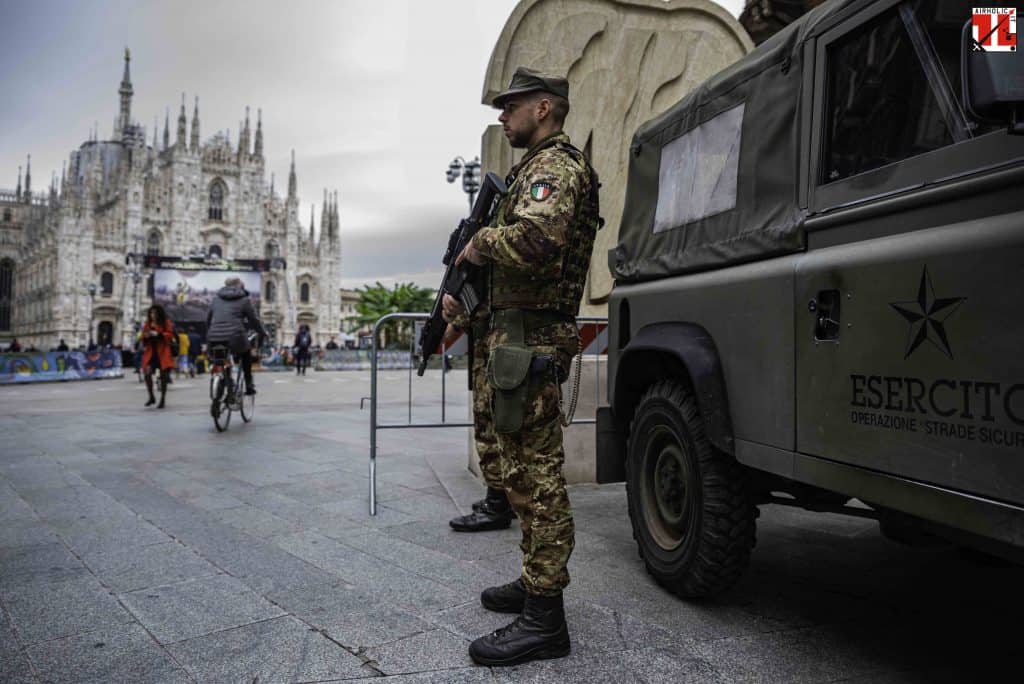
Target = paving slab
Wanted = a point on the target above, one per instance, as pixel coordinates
(181, 611)
(14, 662)
(121, 654)
(436, 649)
(52, 610)
(279, 650)
(130, 568)
(38, 564)
(471, 675)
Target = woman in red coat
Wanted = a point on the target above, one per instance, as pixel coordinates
(156, 355)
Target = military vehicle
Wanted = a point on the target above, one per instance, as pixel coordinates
(818, 297)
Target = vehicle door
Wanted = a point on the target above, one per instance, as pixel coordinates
(909, 328)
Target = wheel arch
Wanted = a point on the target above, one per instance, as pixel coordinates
(687, 352)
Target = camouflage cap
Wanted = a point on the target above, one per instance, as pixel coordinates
(526, 80)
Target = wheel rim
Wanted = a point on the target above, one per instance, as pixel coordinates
(667, 501)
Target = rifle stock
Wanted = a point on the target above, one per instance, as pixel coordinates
(458, 279)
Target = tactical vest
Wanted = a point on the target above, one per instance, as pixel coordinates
(562, 290)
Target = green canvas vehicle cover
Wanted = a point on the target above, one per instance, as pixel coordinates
(713, 180)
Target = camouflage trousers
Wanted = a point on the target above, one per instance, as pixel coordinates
(483, 422)
(529, 462)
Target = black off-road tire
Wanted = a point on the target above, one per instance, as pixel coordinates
(692, 515)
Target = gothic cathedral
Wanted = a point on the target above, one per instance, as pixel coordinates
(64, 266)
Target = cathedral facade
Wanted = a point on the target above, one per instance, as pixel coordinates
(71, 258)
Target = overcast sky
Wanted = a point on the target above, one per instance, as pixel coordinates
(376, 97)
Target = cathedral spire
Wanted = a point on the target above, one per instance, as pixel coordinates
(312, 209)
(334, 217)
(156, 129)
(28, 180)
(124, 119)
(194, 143)
(246, 148)
(258, 151)
(292, 183)
(17, 193)
(167, 128)
(182, 121)
(325, 216)
(271, 185)
(63, 177)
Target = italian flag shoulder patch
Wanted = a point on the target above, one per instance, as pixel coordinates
(540, 191)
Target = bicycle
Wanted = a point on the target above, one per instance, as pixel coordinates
(227, 389)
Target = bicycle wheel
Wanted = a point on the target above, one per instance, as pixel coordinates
(220, 408)
(246, 402)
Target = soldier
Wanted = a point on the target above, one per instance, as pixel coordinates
(536, 258)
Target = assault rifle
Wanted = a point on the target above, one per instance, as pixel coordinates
(458, 280)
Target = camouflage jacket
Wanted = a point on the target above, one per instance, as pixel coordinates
(538, 250)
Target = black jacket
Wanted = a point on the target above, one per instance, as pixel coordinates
(231, 312)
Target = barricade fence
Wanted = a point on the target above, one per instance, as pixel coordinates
(594, 342)
(23, 367)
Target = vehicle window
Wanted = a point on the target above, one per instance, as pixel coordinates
(880, 105)
(698, 172)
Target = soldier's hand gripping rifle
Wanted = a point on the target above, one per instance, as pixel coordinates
(458, 280)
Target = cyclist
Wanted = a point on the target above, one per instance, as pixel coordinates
(231, 312)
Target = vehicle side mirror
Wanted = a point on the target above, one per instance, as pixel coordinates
(993, 84)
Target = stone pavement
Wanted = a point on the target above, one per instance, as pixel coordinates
(142, 546)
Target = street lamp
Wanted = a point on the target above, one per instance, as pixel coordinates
(470, 172)
(133, 270)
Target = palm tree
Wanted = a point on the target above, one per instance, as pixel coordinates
(377, 301)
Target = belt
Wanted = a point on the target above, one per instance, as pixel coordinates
(532, 319)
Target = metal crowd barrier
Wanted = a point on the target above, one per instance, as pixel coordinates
(375, 426)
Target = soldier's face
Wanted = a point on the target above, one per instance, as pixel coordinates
(519, 120)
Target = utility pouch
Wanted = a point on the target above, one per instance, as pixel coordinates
(508, 374)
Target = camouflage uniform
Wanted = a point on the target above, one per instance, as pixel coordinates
(537, 257)
(483, 422)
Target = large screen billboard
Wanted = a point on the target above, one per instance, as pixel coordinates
(186, 293)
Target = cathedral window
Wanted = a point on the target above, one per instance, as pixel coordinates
(271, 250)
(271, 291)
(7, 215)
(153, 244)
(6, 293)
(304, 293)
(107, 283)
(217, 192)
(215, 251)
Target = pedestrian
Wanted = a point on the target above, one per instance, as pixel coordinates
(303, 341)
(331, 344)
(14, 346)
(536, 255)
(183, 354)
(231, 313)
(62, 346)
(156, 355)
(194, 342)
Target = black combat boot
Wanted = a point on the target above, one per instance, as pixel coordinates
(539, 633)
(508, 598)
(495, 513)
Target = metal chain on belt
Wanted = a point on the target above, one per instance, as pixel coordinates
(567, 415)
